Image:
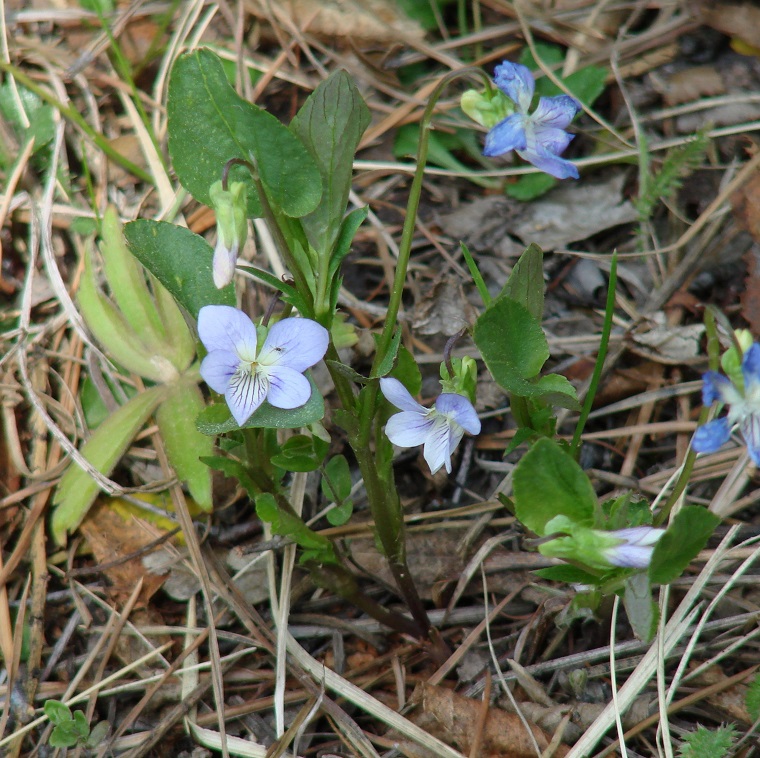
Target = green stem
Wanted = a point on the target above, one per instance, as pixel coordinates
(477, 277)
(72, 115)
(609, 312)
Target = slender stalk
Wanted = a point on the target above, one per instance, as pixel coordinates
(609, 312)
(384, 502)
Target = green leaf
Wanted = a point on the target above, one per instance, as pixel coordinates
(98, 734)
(555, 389)
(180, 260)
(709, 743)
(386, 365)
(64, 735)
(330, 124)
(511, 342)
(407, 371)
(217, 419)
(184, 443)
(752, 698)
(209, 124)
(568, 574)
(685, 537)
(115, 335)
(642, 611)
(41, 118)
(292, 526)
(77, 491)
(526, 282)
(127, 281)
(530, 186)
(57, 712)
(299, 453)
(234, 469)
(549, 483)
(336, 482)
(348, 229)
(81, 724)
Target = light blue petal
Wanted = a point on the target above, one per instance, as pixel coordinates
(556, 112)
(298, 343)
(396, 394)
(711, 436)
(438, 448)
(715, 386)
(550, 164)
(507, 135)
(222, 327)
(638, 535)
(629, 556)
(751, 366)
(288, 388)
(225, 259)
(549, 139)
(245, 394)
(217, 368)
(409, 428)
(750, 426)
(516, 82)
(460, 409)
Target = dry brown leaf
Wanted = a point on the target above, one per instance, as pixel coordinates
(746, 206)
(444, 309)
(367, 21)
(691, 84)
(453, 719)
(750, 298)
(740, 20)
(112, 537)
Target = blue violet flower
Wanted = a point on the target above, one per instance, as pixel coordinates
(439, 428)
(247, 374)
(635, 547)
(744, 407)
(538, 137)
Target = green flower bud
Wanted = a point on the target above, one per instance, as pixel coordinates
(231, 228)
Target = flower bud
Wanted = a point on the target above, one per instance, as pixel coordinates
(231, 228)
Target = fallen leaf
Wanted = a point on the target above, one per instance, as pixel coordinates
(453, 719)
(740, 20)
(111, 537)
(444, 309)
(669, 343)
(570, 213)
(368, 21)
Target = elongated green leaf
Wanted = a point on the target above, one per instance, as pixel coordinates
(127, 281)
(511, 342)
(179, 345)
(209, 123)
(330, 125)
(77, 490)
(180, 260)
(549, 483)
(115, 335)
(216, 419)
(184, 443)
(526, 282)
(685, 537)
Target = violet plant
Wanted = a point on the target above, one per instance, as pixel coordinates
(240, 160)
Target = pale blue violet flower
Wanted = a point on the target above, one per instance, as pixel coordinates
(246, 373)
(631, 547)
(744, 407)
(439, 428)
(538, 137)
(635, 546)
